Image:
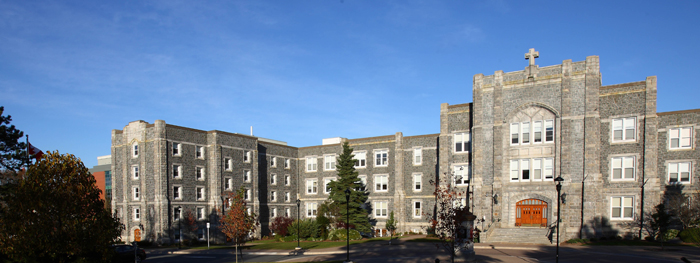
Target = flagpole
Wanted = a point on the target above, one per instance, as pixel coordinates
(29, 159)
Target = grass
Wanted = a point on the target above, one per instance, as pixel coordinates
(586, 242)
(274, 244)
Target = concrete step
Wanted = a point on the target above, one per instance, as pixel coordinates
(527, 235)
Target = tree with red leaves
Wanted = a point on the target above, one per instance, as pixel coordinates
(451, 211)
(191, 225)
(236, 222)
(280, 224)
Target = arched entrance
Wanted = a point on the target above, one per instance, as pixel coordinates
(137, 235)
(531, 212)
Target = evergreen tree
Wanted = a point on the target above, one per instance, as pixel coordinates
(391, 226)
(347, 179)
(13, 153)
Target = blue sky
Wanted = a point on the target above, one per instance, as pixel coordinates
(299, 71)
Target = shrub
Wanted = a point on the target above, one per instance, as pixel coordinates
(280, 225)
(670, 234)
(577, 241)
(307, 228)
(340, 234)
(290, 238)
(690, 235)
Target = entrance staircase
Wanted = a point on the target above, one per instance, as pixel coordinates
(527, 235)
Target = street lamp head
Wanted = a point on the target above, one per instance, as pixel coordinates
(559, 179)
(298, 202)
(347, 192)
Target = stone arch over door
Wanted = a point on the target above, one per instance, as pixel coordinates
(514, 199)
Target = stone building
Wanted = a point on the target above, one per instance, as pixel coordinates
(616, 154)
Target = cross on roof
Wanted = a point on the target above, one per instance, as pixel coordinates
(531, 55)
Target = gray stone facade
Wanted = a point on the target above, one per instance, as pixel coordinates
(523, 129)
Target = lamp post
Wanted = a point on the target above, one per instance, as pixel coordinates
(558, 180)
(179, 226)
(298, 213)
(347, 224)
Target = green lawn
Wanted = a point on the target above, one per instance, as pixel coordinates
(274, 244)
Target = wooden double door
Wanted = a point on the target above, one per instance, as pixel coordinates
(531, 212)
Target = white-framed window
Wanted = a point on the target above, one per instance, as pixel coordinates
(247, 211)
(135, 172)
(526, 170)
(312, 186)
(525, 132)
(537, 132)
(548, 168)
(137, 213)
(177, 171)
(679, 172)
(549, 130)
(514, 133)
(287, 179)
(200, 213)
(287, 212)
(199, 152)
(287, 163)
(273, 212)
(623, 168)
(417, 210)
(135, 150)
(381, 158)
(228, 165)
(417, 182)
(273, 179)
(177, 192)
(246, 194)
(311, 209)
(201, 194)
(200, 234)
(273, 196)
(246, 176)
(680, 138)
(380, 208)
(326, 185)
(329, 162)
(363, 181)
(462, 142)
(199, 173)
(177, 213)
(228, 183)
(417, 156)
(360, 159)
(246, 156)
(287, 197)
(136, 193)
(381, 183)
(273, 162)
(311, 164)
(624, 129)
(622, 208)
(177, 149)
(461, 175)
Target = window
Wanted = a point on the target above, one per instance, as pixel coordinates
(624, 129)
(680, 138)
(287, 197)
(199, 173)
(273, 179)
(273, 196)
(622, 208)
(381, 158)
(200, 213)
(380, 208)
(549, 169)
(287, 212)
(525, 170)
(311, 186)
(462, 142)
(537, 169)
(381, 183)
(679, 172)
(135, 172)
(461, 175)
(137, 213)
(311, 164)
(417, 156)
(549, 130)
(246, 194)
(417, 212)
(326, 185)
(329, 162)
(200, 193)
(246, 156)
(136, 193)
(199, 152)
(287, 179)
(360, 159)
(363, 181)
(177, 213)
(247, 210)
(311, 209)
(176, 149)
(514, 133)
(537, 129)
(228, 183)
(623, 168)
(227, 164)
(526, 132)
(417, 182)
(177, 171)
(136, 150)
(273, 213)
(286, 163)
(177, 192)
(246, 175)
(273, 162)
(200, 234)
